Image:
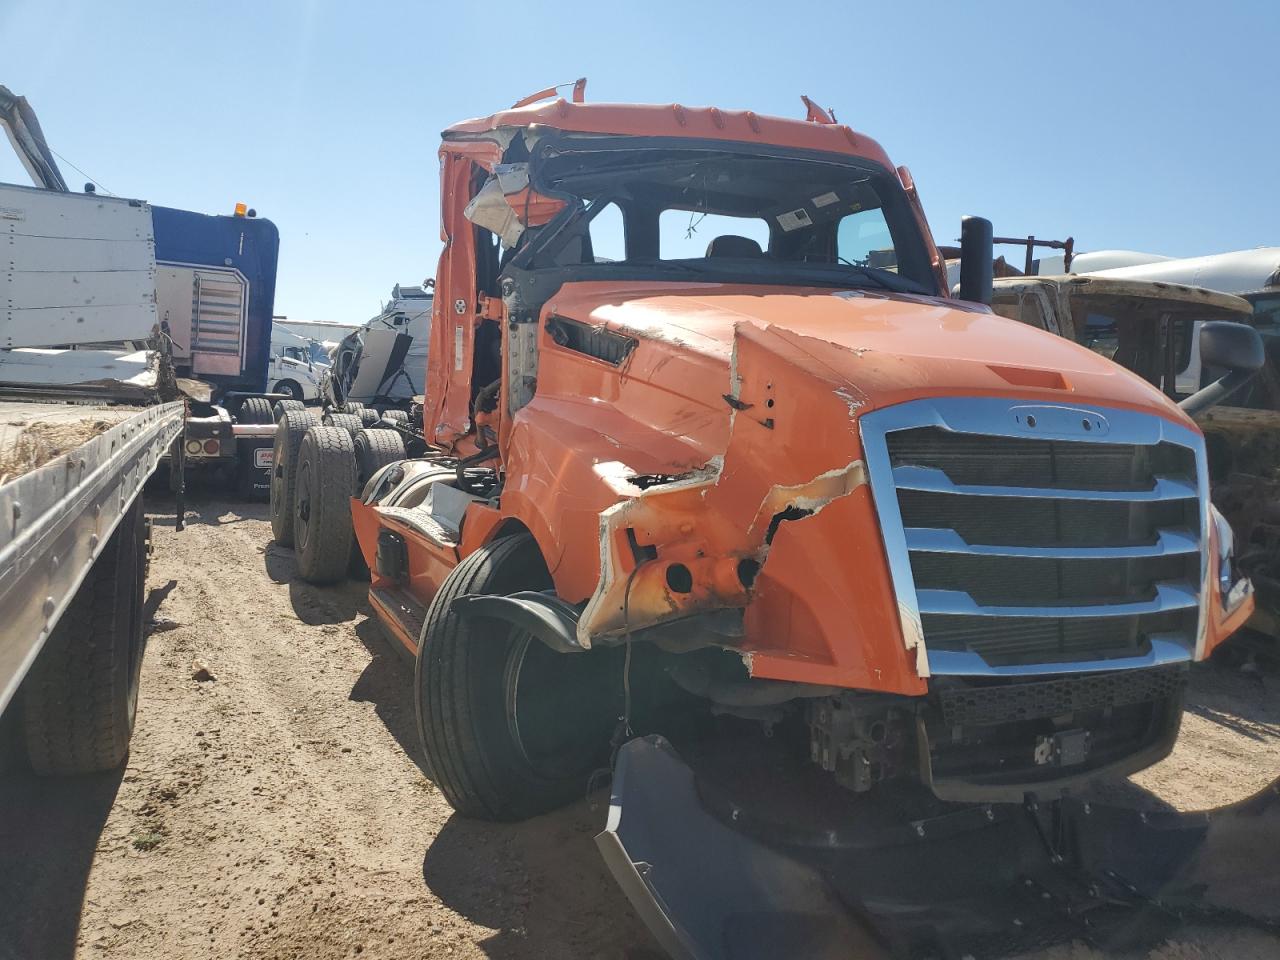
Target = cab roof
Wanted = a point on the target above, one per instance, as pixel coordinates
(676, 121)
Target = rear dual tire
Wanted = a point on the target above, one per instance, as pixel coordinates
(290, 429)
(350, 422)
(282, 405)
(256, 410)
(324, 484)
(374, 449)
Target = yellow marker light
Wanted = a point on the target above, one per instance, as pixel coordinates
(241, 209)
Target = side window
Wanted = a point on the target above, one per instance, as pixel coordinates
(863, 239)
(687, 234)
(608, 243)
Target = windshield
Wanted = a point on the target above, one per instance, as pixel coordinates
(662, 212)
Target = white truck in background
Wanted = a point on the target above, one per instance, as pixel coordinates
(296, 365)
(381, 364)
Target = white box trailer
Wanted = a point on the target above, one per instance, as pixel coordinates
(79, 268)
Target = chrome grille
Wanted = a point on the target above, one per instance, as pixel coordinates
(1079, 544)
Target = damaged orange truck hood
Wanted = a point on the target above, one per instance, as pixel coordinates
(889, 347)
(719, 466)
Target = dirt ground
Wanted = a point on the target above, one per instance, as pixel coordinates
(277, 811)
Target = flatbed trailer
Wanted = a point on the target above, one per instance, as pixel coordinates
(73, 547)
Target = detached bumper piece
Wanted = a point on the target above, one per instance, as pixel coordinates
(733, 859)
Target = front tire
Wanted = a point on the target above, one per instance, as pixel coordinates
(291, 387)
(510, 728)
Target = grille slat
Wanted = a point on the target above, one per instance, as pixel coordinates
(932, 480)
(945, 541)
(1041, 551)
(1168, 596)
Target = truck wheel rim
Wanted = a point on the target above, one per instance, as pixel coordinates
(302, 493)
(560, 709)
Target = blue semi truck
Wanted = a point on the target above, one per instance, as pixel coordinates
(215, 294)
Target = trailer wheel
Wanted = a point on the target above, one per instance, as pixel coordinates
(349, 422)
(81, 697)
(396, 416)
(510, 728)
(282, 405)
(325, 483)
(256, 410)
(290, 430)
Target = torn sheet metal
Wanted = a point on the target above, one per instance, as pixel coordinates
(109, 374)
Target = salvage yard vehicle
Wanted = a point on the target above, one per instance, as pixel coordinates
(853, 584)
(296, 366)
(1149, 327)
(382, 364)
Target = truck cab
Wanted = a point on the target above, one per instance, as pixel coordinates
(700, 370)
(296, 367)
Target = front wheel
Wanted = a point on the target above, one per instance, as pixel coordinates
(290, 387)
(510, 728)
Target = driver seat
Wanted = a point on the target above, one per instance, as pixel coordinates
(733, 246)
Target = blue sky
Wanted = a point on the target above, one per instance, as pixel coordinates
(1148, 126)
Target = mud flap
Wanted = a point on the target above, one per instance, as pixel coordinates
(721, 878)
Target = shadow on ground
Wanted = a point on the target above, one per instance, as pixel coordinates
(387, 683)
(314, 605)
(541, 884)
(49, 830)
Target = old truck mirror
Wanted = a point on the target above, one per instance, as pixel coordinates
(1235, 346)
(976, 265)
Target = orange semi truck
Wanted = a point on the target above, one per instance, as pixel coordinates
(715, 485)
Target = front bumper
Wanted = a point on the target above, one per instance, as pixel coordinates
(726, 863)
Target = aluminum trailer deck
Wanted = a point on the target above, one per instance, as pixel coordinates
(57, 517)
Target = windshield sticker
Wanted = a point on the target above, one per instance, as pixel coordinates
(795, 219)
(826, 199)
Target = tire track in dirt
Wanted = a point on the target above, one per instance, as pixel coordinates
(277, 811)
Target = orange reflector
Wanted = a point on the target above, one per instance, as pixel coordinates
(1031, 377)
(242, 209)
